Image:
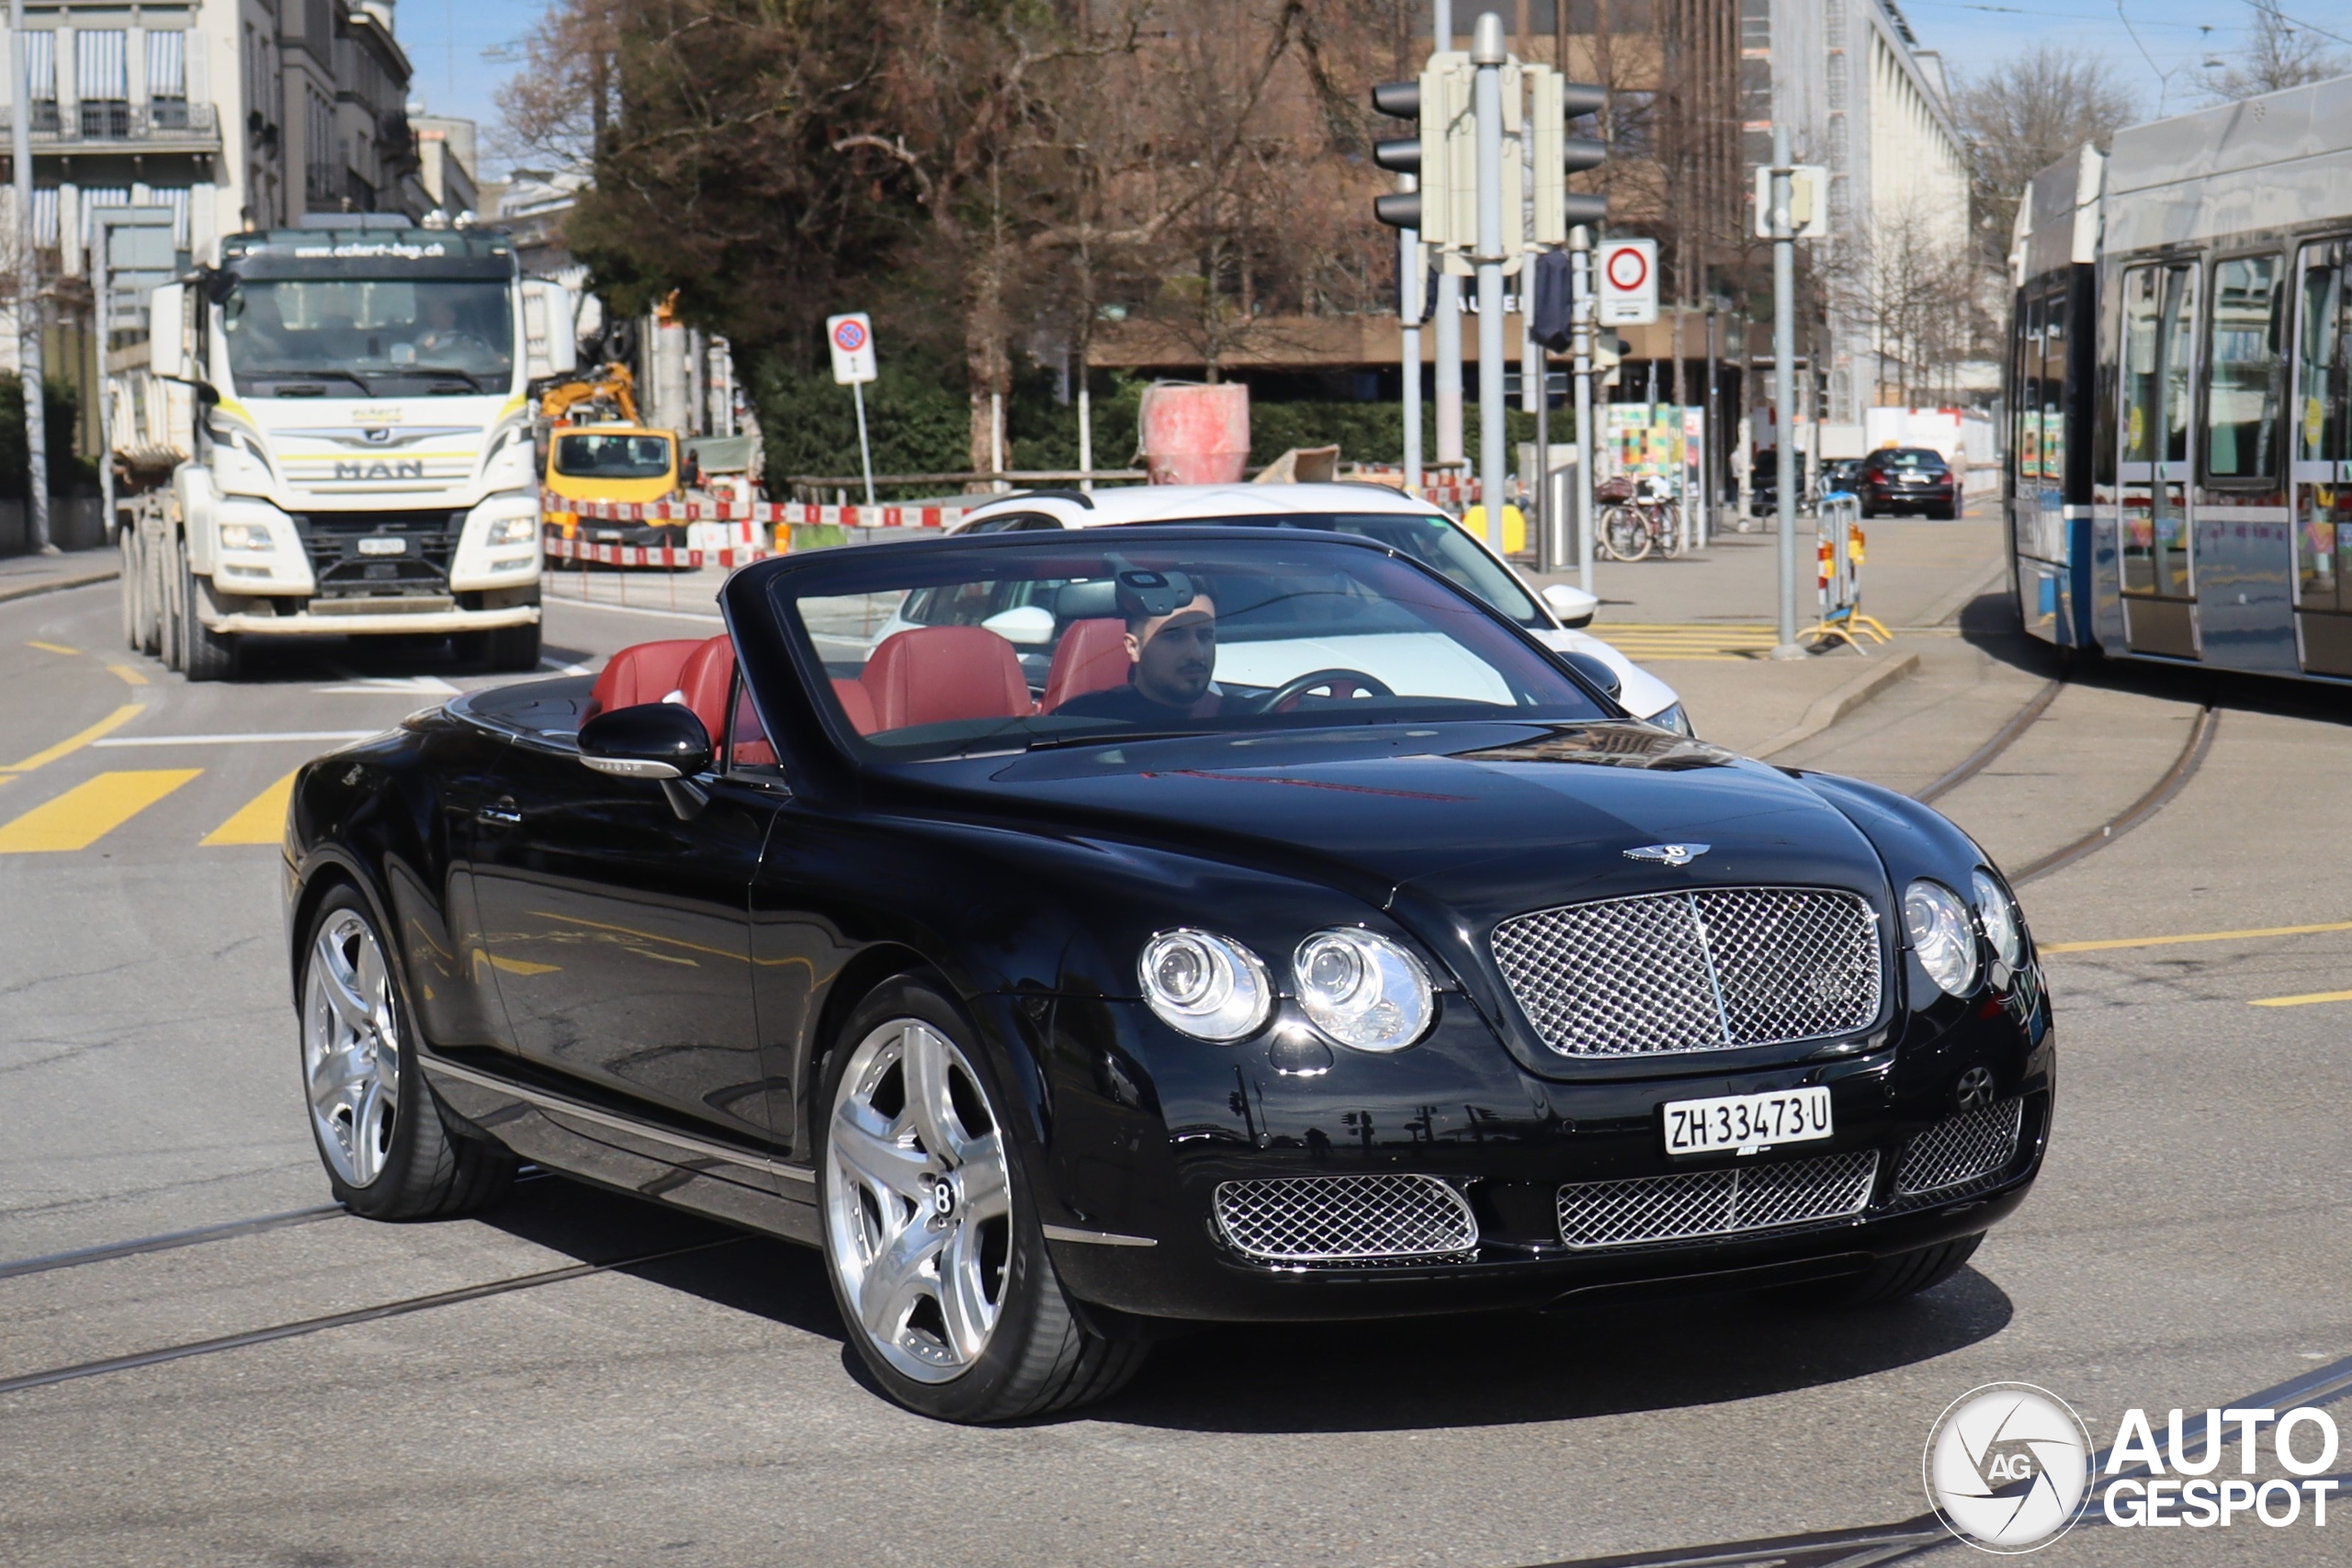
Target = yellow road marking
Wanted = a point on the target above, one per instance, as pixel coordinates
(90, 811)
(54, 648)
(2305, 1000)
(2194, 936)
(523, 966)
(129, 677)
(261, 821)
(106, 726)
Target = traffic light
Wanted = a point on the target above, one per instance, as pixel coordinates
(1554, 154)
(1443, 157)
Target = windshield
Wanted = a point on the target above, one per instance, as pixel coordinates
(1436, 541)
(1023, 641)
(613, 457)
(361, 337)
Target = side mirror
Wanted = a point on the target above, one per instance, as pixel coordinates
(664, 741)
(1591, 666)
(1574, 607)
(1028, 624)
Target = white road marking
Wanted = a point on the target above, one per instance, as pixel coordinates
(391, 685)
(248, 739)
(553, 668)
(633, 610)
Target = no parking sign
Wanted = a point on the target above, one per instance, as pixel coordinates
(850, 338)
(1629, 282)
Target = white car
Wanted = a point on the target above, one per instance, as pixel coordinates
(1419, 529)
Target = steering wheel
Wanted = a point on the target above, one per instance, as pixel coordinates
(1337, 683)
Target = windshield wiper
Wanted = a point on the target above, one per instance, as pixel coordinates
(441, 370)
(1055, 743)
(307, 374)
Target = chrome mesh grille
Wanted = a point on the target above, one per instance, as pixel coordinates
(1964, 1148)
(1694, 971)
(1337, 1219)
(1691, 1205)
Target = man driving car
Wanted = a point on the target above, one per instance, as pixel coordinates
(1171, 653)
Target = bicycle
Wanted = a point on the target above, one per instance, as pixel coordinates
(1640, 517)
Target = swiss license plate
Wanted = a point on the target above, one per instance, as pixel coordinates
(1747, 1122)
(383, 547)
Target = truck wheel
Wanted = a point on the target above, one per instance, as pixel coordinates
(205, 654)
(171, 605)
(150, 598)
(133, 590)
(504, 650)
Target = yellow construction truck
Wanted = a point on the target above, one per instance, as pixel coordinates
(597, 451)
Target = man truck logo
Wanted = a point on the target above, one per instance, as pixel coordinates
(407, 468)
(2007, 1467)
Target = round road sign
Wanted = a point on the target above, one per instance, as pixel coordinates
(850, 335)
(1627, 269)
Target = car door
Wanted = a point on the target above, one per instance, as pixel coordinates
(619, 933)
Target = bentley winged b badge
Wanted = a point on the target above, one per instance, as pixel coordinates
(1668, 854)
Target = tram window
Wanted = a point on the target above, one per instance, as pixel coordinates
(2054, 382)
(2323, 378)
(2028, 445)
(2241, 419)
(2143, 299)
(2180, 359)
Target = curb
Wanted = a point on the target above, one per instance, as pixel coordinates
(1833, 705)
(56, 584)
(1950, 606)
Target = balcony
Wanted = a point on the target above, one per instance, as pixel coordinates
(111, 125)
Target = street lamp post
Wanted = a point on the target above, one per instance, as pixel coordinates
(28, 323)
(1784, 328)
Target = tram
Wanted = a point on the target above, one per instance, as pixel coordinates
(2180, 476)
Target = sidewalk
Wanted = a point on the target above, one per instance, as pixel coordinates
(1705, 624)
(22, 576)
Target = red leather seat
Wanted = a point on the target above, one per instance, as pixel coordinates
(932, 674)
(855, 704)
(1092, 656)
(706, 679)
(644, 672)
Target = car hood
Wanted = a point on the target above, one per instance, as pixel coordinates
(1485, 821)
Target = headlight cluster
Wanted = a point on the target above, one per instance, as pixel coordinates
(1360, 988)
(1944, 936)
(512, 531)
(249, 536)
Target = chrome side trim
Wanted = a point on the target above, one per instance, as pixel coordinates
(1098, 1239)
(557, 1102)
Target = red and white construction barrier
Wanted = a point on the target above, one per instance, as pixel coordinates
(666, 556)
(793, 514)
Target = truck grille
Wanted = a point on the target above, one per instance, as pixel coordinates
(1665, 971)
(1344, 1219)
(1960, 1150)
(1689, 1205)
(343, 570)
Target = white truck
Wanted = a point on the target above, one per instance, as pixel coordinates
(331, 437)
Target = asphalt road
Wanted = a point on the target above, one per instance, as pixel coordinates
(2187, 1244)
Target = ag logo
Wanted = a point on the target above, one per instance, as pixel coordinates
(2007, 1467)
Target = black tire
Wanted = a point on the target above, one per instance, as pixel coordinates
(428, 1171)
(170, 607)
(1888, 1279)
(205, 654)
(132, 585)
(1625, 536)
(1039, 1357)
(512, 651)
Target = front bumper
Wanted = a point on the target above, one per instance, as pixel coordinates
(1144, 1128)
(356, 617)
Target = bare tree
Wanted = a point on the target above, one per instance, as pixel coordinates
(2278, 54)
(558, 106)
(2024, 115)
(1913, 281)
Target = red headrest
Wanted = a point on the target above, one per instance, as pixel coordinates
(646, 672)
(856, 704)
(706, 681)
(935, 673)
(1092, 656)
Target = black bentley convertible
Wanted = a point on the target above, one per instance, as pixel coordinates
(1078, 935)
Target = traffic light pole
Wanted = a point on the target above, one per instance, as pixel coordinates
(1580, 317)
(1487, 53)
(1784, 332)
(1411, 281)
(1448, 314)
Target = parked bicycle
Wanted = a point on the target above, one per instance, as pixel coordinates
(1636, 517)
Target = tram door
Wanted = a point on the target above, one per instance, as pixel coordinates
(2158, 392)
(2322, 472)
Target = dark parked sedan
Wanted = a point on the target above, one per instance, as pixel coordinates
(1305, 941)
(1909, 478)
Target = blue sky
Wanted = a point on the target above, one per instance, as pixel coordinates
(463, 49)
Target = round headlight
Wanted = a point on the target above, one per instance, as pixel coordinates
(1361, 989)
(2003, 928)
(1207, 986)
(1937, 924)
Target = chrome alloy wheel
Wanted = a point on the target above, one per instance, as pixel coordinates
(918, 1201)
(351, 1048)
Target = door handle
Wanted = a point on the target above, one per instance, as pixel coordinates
(500, 814)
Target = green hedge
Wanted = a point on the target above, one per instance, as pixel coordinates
(62, 404)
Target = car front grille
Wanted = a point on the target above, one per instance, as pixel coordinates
(1666, 972)
(1690, 1205)
(343, 569)
(1962, 1150)
(1344, 1219)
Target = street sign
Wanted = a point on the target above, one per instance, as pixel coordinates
(851, 337)
(1628, 282)
(1808, 202)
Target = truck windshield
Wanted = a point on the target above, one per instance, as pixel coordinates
(358, 337)
(613, 457)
